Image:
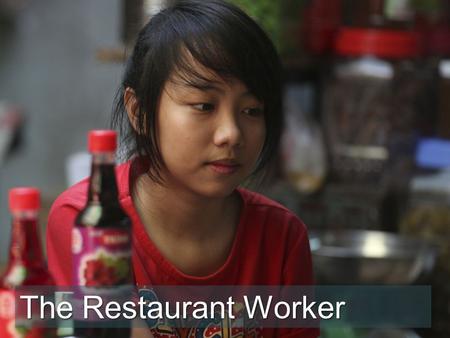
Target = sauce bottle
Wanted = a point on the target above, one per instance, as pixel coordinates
(26, 265)
(101, 239)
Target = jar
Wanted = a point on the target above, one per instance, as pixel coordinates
(371, 104)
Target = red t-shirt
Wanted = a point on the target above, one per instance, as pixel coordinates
(270, 247)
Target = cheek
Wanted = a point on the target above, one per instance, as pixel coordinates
(179, 137)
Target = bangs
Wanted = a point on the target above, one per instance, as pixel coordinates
(222, 48)
(212, 63)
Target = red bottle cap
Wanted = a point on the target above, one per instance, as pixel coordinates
(384, 43)
(101, 141)
(24, 199)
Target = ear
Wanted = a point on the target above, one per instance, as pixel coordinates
(132, 107)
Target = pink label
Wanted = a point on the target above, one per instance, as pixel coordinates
(8, 324)
(7, 314)
(101, 257)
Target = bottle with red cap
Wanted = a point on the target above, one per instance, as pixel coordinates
(26, 265)
(101, 239)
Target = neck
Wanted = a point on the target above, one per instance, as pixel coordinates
(182, 214)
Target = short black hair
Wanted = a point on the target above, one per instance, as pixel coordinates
(219, 36)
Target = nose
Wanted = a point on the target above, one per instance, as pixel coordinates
(228, 131)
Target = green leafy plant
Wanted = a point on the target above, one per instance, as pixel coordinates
(267, 13)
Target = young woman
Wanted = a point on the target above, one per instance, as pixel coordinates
(200, 112)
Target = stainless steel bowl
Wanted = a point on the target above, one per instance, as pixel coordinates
(369, 257)
(393, 333)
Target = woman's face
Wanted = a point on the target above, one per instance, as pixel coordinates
(210, 137)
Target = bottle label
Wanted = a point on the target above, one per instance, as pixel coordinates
(101, 257)
(101, 267)
(12, 328)
(7, 315)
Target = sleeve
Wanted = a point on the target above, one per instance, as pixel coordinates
(298, 270)
(59, 229)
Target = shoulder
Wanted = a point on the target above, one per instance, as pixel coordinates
(76, 195)
(275, 240)
(263, 212)
(256, 199)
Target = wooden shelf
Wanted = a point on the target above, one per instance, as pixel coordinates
(116, 54)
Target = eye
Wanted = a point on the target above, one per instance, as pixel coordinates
(204, 107)
(255, 111)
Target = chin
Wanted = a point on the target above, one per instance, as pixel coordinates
(216, 191)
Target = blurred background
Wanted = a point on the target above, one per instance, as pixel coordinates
(365, 154)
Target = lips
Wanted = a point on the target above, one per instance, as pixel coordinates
(224, 166)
